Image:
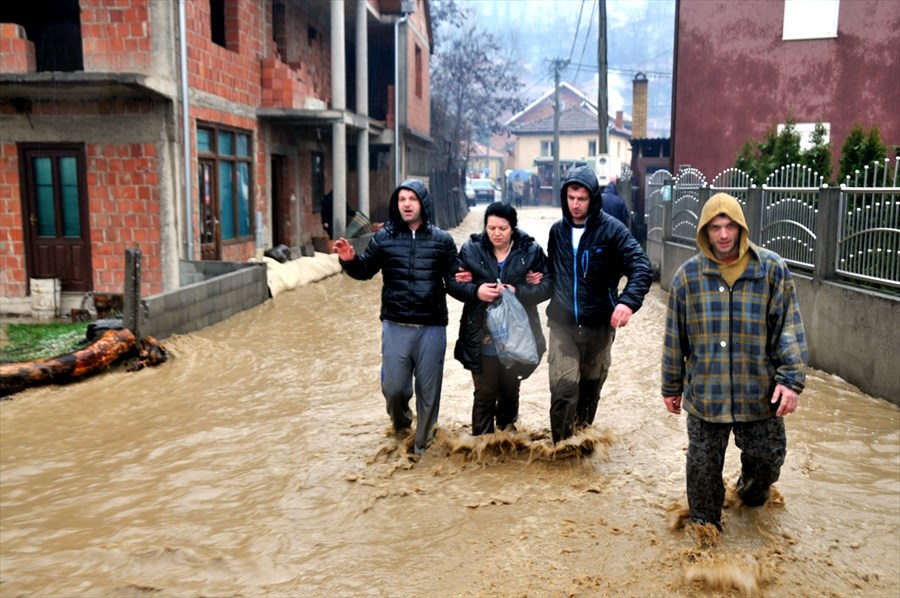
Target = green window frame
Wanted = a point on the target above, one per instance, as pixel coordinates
(231, 150)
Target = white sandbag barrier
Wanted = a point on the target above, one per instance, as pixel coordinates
(304, 270)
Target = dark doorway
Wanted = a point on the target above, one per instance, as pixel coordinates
(281, 208)
(55, 28)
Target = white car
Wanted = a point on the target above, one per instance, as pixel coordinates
(470, 194)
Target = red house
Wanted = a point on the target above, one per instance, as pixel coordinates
(742, 68)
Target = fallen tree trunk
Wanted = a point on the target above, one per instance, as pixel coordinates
(114, 344)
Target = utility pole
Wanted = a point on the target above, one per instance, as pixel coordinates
(558, 65)
(602, 102)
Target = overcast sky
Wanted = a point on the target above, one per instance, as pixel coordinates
(640, 38)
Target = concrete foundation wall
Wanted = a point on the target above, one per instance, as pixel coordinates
(854, 334)
(212, 292)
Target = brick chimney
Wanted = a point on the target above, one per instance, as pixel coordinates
(620, 120)
(639, 106)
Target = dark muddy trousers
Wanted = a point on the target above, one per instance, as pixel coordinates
(496, 396)
(579, 358)
(763, 445)
(411, 352)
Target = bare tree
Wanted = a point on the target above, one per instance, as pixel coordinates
(473, 82)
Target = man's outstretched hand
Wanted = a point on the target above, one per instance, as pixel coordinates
(343, 249)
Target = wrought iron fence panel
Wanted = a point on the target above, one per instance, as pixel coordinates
(869, 228)
(686, 204)
(654, 212)
(734, 182)
(789, 209)
(869, 176)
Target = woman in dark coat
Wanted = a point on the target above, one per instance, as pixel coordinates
(505, 253)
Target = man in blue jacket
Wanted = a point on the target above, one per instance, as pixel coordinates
(614, 205)
(417, 261)
(589, 252)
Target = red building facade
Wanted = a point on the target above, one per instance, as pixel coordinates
(102, 150)
(741, 68)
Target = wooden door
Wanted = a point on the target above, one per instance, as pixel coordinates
(55, 214)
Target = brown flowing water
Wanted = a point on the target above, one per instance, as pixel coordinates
(259, 462)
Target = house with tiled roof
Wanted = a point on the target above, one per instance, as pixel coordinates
(578, 136)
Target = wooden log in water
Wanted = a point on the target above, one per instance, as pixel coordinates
(114, 344)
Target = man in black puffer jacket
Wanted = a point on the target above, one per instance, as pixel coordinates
(417, 260)
(589, 252)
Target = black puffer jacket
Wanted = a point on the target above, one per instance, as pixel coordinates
(416, 266)
(586, 282)
(477, 256)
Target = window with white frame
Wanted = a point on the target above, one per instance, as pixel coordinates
(810, 19)
(546, 148)
(805, 130)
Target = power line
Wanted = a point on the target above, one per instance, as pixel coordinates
(594, 67)
(577, 29)
(587, 36)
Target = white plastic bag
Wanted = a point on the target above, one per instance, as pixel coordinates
(510, 330)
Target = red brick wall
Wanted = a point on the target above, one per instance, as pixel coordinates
(116, 35)
(122, 182)
(16, 52)
(13, 281)
(232, 73)
(123, 192)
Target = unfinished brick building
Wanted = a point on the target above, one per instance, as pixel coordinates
(197, 129)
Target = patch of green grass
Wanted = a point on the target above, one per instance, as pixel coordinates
(36, 341)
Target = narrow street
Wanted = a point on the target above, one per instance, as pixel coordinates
(259, 461)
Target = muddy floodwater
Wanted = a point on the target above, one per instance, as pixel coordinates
(259, 461)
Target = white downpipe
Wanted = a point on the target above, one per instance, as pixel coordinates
(397, 24)
(186, 134)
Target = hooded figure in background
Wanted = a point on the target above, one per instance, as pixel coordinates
(589, 252)
(614, 204)
(417, 260)
(734, 357)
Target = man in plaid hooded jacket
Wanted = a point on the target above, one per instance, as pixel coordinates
(734, 358)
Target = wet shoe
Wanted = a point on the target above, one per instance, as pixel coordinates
(750, 492)
(699, 521)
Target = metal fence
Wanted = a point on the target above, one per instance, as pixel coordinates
(868, 237)
(851, 232)
(788, 219)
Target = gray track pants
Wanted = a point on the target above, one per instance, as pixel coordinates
(413, 353)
